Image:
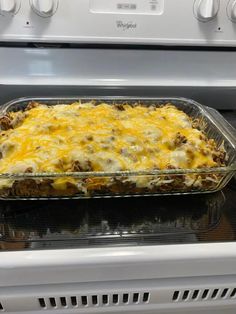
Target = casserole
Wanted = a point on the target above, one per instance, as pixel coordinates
(86, 182)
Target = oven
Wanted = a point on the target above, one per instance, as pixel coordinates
(165, 254)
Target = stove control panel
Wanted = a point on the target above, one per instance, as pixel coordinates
(162, 22)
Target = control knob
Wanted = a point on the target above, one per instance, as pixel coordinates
(231, 10)
(9, 7)
(44, 8)
(206, 10)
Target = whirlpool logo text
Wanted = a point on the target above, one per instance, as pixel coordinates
(126, 25)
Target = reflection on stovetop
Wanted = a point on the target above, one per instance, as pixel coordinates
(118, 222)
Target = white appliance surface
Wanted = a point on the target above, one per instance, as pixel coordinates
(117, 67)
(183, 278)
(182, 22)
(164, 279)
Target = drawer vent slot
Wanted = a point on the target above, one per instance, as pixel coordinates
(233, 293)
(42, 303)
(105, 299)
(53, 302)
(73, 300)
(195, 294)
(63, 301)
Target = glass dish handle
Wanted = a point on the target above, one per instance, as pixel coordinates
(226, 126)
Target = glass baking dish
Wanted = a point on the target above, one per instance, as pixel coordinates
(122, 183)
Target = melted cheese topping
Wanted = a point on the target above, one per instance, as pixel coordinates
(103, 138)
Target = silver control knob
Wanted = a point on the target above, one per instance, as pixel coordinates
(9, 7)
(231, 10)
(206, 10)
(44, 8)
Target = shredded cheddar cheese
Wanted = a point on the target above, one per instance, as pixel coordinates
(88, 137)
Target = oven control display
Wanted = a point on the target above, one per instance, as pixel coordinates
(154, 7)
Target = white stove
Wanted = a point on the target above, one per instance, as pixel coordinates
(120, 47)
(182, 22)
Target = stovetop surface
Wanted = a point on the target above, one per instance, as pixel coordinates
(29, 225)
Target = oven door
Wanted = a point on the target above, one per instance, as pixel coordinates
(140, 255)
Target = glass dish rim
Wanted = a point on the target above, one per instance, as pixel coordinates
(88, 174)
